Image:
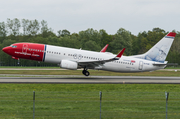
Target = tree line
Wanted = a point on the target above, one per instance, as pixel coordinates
(34, 31)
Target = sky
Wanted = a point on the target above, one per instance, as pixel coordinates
(78, 15)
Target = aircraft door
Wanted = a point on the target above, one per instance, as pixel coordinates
(140, 65)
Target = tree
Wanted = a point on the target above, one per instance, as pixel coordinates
(68, 41)
(135, 45)
(63, 33)
(174, 53)
(89, 35)
(90, 39)
(6, 59)
(14, 26)
(105, 38)
(3, 31)
(25, 24)
(149, 39)
(122, 39)
(91, 45)
(33, 27)
(45, 31)
(158, 30)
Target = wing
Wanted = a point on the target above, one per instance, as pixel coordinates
(104, 49)
(93, 64)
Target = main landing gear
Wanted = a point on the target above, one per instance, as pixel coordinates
(85, 72)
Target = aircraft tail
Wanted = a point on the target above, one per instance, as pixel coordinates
(160, 50)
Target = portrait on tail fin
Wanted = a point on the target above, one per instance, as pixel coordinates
(160, 50)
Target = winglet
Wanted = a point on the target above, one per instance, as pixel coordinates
(171, 34)
(120, 53)
(104, 49)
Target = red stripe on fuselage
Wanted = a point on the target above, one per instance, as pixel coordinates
(32, 51)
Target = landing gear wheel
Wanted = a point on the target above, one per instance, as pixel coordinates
(85, 72)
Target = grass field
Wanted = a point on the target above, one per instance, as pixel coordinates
(81, 101)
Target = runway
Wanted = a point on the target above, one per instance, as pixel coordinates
(80, 79)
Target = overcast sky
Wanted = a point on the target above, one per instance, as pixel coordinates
(77, 15)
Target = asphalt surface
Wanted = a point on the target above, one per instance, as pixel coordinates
(80, 79)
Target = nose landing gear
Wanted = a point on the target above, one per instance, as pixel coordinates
(85, 72)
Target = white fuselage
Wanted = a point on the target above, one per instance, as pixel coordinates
(54, 54)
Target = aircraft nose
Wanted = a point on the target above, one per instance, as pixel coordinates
(6, 49)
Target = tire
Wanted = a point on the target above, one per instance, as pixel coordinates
(86, 73)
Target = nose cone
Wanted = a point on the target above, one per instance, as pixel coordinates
(6, 49)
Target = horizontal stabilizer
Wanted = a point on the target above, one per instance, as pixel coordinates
(160, 64)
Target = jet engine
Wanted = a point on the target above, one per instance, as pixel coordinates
(66, 64)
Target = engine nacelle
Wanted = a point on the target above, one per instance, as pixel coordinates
(68, 64)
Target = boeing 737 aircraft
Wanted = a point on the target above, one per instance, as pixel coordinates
(70, 58)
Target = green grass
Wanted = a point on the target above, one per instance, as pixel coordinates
(81, 101)
(173, 67)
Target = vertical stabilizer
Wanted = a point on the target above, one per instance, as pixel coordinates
(160, 50)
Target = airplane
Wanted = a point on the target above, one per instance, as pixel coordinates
(73, 59)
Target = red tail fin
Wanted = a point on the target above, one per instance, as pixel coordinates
(120, 54)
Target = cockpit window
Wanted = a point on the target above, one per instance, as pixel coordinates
(13, 46)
